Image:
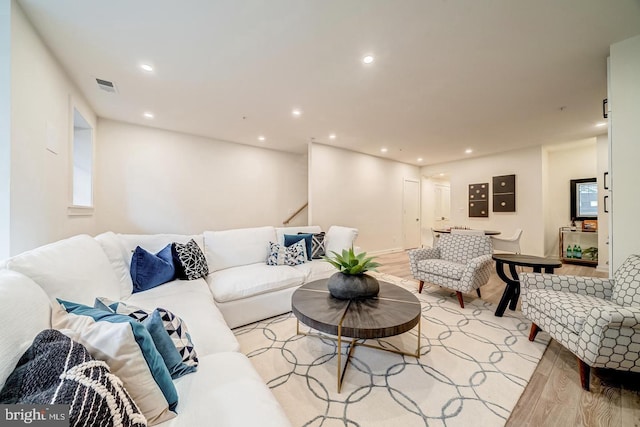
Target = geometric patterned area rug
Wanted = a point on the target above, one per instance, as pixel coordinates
(472, 369)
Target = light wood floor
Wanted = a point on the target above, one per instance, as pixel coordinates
(554, 397)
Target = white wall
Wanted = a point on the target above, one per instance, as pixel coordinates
(565, 162)
(40, 109)
(602, 150)
(527, 165)
(625, 149)
(156, 181)
(5, 130)
(358, 190)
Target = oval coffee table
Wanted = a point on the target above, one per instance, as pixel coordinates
(394, 311)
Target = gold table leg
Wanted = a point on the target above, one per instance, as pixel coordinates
(352, 345)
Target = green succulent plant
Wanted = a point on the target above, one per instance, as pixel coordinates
(350, 263)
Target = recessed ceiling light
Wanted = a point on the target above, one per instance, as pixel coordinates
(419, 159)
(601, 124)
(383, 150)
(367, 59)
(148, 115)
(296, 112)
(261, 138)
(146, 67)
(441, 174)
(332, 136)
(468, 151)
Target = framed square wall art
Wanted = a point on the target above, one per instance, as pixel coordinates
(504, 193)
(479, 200)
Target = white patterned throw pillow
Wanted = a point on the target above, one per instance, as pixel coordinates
(295, 254)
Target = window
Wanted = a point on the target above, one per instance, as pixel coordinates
(82, 195)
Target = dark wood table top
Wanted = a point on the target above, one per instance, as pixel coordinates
(394, 311)
(527, 260)
(448, 230)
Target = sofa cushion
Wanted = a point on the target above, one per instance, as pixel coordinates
(290, 239)
(568, 308)
(626, 288)
(242, 282)
(442, 267)
(189, 260)
(150, 270)
(56, 370)
(233, 248)
(295, 254)
(115, 251)
(126, 346)
(339, 238)
(226, 391)
(174, 328)
(193, 302)
(315, 270)
(154, 242)
(75, 268)
(26, 311)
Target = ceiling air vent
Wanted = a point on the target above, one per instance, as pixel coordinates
(107, 86)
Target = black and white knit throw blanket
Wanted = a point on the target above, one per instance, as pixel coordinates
(57, 370)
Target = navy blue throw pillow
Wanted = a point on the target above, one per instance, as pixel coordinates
(290, 239)
(149, 270)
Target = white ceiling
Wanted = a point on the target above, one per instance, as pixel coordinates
(448, 75)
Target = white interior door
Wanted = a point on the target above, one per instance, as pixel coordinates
(411, 214)
(442, 205)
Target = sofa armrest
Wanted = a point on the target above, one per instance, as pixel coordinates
(593, 286)
(615, 316)
(416, 255)
(607, 329)
(479, 262)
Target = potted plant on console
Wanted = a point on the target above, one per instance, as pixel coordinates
(351, 282)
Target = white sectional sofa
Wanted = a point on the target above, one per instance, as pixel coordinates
(240, 288)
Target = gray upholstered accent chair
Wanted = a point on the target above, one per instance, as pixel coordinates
(457, 261)
(598, 320)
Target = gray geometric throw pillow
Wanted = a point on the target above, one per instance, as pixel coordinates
(189, 260)
(317, 246)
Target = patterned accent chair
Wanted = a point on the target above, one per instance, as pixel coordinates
(598, 320)
(457, 261)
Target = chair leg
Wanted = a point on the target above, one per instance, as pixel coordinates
(585, 371)
(478, 292)
(534, 331)
(421, 285)
(460, 300)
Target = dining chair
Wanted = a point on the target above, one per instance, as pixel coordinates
(508, 244)
(467, 232)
